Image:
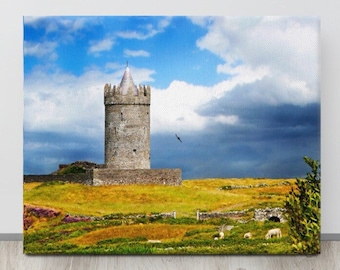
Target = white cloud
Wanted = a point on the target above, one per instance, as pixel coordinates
(139, 75)
(164, 23)
(147, 31)
(67, 27)
(137, 53)
(288, 47)
(66, 103)
(101, 45)
(53, 24)
(75, 24)
(40, 49)
(176, 108)
(31, 20)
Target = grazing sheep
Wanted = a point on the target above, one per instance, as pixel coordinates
(247, 235)
(274, 232)
(221, 235)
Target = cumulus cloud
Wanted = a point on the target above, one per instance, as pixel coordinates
(178, 106)
(63, 102)
(271, 61)
(287, 47)
(67, 103)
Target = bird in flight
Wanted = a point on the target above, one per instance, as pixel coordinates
(178, 138)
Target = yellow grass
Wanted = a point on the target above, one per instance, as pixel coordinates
(149, 231)
(185, 199)
(29, 186)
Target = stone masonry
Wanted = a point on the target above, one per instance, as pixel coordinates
(127, 125)
(166, 177)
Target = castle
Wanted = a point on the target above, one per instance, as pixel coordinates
(127, 142)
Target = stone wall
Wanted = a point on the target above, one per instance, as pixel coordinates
(83, 178)
(230, 214)
(169, 177)
(270, 213)
(104, 177)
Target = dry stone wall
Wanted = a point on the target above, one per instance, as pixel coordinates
(168, 177)
(270, 213)
(230, 214)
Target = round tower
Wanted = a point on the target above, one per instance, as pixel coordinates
(127, 125)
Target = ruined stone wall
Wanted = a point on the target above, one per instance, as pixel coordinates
(170, 177)
(267, 213)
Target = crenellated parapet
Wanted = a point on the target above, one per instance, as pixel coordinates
(115, 95)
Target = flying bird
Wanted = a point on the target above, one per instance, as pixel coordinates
(178, 138)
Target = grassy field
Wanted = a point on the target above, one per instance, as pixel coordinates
(121, 219)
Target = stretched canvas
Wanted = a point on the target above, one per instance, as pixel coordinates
(171, 135)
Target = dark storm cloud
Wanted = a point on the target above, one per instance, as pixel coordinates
(44, 151)
(268, 141)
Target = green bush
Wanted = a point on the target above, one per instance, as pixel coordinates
(303, 211)
(71, 169)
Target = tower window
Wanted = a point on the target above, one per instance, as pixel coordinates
(121, 116)
(134, 151)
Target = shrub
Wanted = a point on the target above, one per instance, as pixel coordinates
(72, 169)
(303, 211)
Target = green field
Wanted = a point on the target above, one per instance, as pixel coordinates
(123, 219)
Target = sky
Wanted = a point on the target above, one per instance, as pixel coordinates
(242, 93)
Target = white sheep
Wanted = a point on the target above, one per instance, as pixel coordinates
(274, 232)
(221, 235)
(247, 235)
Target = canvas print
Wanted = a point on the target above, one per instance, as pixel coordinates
(171, 135)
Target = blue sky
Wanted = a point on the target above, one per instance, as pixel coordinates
(243, 93)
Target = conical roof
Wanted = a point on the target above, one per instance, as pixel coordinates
(127, 85)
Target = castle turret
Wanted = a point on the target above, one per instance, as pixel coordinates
(127, 125)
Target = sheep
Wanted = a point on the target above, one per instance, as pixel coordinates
(274, 232)
(221, 235)
(247, 235)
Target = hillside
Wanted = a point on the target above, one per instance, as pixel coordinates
(81, 218)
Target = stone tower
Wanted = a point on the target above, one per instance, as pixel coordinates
(127, 125)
